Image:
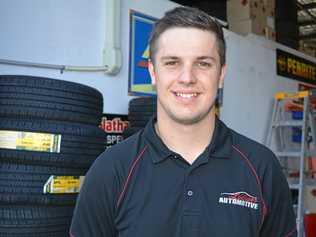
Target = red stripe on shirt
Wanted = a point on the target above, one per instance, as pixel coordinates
(290, 233)
(130, 173)
(264, 206)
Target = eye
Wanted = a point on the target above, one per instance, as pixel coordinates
(204, 65)
(171, 63)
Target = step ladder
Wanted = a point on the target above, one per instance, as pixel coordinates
(278, 141)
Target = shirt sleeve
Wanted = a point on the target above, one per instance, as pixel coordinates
(95, 207)
(280, 220)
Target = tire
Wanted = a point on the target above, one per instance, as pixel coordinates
(143, 101)
(141, 110)
(45, 98)
(80, 143)
(47, 199)
(34, 221)
(141, 116)
(63, 233)
(21, 184)
(139, 122)
(49, 111)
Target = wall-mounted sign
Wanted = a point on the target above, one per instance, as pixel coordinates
(139, 82)
(292, 66)
(114, 125)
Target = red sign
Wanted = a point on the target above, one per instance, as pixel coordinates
(114, 125)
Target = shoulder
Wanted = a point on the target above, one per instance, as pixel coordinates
(260, 159)
(257, 153)
(123, 150)
(115, 162)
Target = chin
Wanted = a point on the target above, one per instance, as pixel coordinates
(188, 120)
(185, 116)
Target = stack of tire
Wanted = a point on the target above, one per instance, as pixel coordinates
(140, 111)
(43, 105)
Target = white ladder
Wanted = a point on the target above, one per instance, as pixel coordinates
(277, 138)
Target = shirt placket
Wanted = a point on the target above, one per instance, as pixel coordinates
(191, 208)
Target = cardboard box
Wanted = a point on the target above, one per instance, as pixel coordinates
(271, 22)
(245, 27)
(310, 199)
(251, 16)
(270, 33)
(270, 7)
(238, 10)
(269, 3)
(245, 9)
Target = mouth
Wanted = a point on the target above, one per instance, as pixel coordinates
(186, 95)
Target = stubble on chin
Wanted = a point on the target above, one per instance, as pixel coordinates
(185, 120)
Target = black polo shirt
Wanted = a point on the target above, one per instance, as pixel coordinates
(139, 188)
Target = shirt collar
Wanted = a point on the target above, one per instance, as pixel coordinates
(159, 151)
(219, 147)
(221, 143)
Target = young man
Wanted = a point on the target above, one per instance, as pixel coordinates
(186, 174)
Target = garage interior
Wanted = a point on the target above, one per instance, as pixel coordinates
(271, 50)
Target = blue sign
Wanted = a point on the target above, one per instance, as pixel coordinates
(139, 79)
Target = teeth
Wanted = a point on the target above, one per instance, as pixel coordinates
(183, 95)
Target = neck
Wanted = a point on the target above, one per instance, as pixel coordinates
(187, 140)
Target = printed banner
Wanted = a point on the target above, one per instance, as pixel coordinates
(139, 79)
(292, 66)
(114, 125)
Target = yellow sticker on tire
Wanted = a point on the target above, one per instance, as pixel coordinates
(30, 141)
(63, 184)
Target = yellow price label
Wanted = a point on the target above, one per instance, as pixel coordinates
(63, 184)
(30, 141)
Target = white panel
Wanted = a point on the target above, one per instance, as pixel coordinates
(250, 85)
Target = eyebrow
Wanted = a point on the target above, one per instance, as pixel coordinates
(199, 58)
(206, 57)
(169, 57)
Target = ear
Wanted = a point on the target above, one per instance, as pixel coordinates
(152, 73)
(222, 76)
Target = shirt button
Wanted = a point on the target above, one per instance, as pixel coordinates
(190, 193)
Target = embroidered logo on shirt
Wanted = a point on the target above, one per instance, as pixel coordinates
(240, 199)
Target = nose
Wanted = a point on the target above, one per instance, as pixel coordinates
(187, 75)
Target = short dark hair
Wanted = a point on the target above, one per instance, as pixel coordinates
(187, 17)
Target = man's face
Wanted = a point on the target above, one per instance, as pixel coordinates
(186, 72)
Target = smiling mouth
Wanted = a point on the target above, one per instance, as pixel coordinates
(186, 95)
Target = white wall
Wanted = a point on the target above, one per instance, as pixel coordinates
(251, 83)
(72, 32)
(69, 32)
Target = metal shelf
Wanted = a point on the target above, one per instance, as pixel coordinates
(294, 182)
